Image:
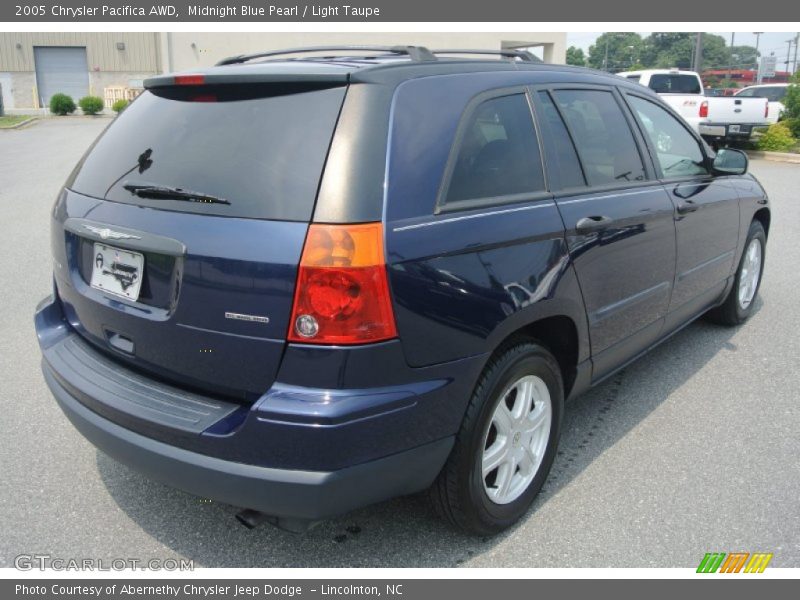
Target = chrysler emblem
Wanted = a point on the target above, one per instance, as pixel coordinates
(109, 234)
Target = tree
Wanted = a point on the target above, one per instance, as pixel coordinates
(576, 57)
(791, 101)
(615, 51)
(665, 50)
(743, 57)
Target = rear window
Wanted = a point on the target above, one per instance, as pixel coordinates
(675, 84)
(259, 147)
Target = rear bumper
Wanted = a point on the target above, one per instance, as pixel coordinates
(235, 453)
(724, 131)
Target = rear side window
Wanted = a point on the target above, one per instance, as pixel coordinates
(604, 139)
(635, 78)
(498, 154)
(675, 84)
(262, 148)
(569, 167)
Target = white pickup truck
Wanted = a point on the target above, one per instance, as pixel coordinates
(719, 119)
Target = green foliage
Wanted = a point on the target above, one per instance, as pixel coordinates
(793, 125)
(728, 83)
(743, 57)
(61, 104)
(616, 51)
(778, 138)
(791, 101)
(576, 57)
(91, 105)
(119, 105)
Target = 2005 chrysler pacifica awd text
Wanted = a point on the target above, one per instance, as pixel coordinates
(302, 282)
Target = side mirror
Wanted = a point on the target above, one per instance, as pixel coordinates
(730, 162)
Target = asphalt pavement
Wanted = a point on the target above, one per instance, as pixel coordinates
(692, 449)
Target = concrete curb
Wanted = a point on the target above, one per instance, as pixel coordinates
(786, 157)
(20, 124)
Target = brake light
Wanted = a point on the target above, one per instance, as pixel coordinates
(190, 79)
(342, 293)
(704, 108)
(766, 109)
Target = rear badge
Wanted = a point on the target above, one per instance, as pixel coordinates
(241, 317)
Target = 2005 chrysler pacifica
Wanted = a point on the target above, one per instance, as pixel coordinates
(303, 282)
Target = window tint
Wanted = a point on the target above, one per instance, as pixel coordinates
(677, 151)
(498, 153)
(749, 93)
(635, 78)
(675, 84)
(567, 164)
(604, 139)
(261, 147)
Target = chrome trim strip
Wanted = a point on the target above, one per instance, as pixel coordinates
(465, 217)
(629, 193)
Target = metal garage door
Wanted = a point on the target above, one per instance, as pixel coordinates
(63, 70)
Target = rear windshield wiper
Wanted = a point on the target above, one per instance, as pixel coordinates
(165, 192)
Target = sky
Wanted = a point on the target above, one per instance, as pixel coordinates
(769, 42)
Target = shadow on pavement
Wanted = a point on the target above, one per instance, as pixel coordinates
(405, 532)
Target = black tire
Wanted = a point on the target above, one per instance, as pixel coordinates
(458, 494)
(731, 312)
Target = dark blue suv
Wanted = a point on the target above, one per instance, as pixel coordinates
(303, 282)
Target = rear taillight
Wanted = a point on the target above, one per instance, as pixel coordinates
(766, 109)
(190, 79)
(342, 294)
(704, 108)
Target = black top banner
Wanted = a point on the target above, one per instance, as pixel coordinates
(396, 11)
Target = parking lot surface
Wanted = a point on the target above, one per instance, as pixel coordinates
(692, 449)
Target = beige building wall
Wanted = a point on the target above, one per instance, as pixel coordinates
(140, 53)
(108, 65)
(186, 50)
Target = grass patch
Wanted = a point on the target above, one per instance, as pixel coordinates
(8, 121)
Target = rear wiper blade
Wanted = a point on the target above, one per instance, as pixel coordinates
(165, 192)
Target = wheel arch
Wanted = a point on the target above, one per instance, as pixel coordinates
(764, 216)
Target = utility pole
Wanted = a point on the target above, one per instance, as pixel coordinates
(698, 53)
(796, 40)
(758, 58)
(605, 60)
(788, 53)
(730, 62)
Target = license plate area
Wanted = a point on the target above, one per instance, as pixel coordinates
(116, 271)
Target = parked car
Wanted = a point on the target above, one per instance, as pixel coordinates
(773, 92)
(301, 286)
(719, 120)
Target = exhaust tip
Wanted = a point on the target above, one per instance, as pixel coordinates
(253, 518)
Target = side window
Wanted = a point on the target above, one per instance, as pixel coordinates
(498, 153)
(677, 151)
(751, 93)
(567, 163)
(635, 78)
(603, 137)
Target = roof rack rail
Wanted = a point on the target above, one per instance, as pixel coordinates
(523, 55)
(415, 53)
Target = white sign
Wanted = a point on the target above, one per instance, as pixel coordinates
(767, 66)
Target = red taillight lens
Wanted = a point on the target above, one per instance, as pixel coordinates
(342, 294)
(704, 108)
(190, 79)
(766, 109)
